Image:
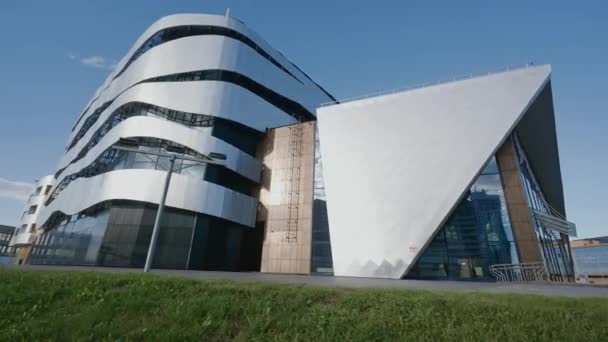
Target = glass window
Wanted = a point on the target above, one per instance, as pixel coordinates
(491, 167)
(477, 234)
(321, 255)
(69, 243)
(163, 163)
(148, 148)
(177, 166)
(32, 209)
(193, 169)
(144, 161)
(47, 190)
(552, 244)
(174, 240)
(120, 160)
(38, 191)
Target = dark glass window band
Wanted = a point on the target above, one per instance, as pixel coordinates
(290, 107)
(238, 135)
(131, 108)
(177, 32)
(88, 123)
(83, 112)
(113, 159)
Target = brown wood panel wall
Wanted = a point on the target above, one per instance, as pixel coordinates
(517, 205)
(278, 254)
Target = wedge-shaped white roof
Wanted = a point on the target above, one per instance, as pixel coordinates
(395, 166)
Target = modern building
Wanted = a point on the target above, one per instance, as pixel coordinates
(205, 84)
(7, 253)
(591, 259)
(26, 231)
(272, 174)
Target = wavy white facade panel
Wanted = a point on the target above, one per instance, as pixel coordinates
(217, 99)
(216, 52)
(395, 166)
(211, 52)
(25, 236)
(201, 19)
(208, 53)
(146, 186)
(196, 139)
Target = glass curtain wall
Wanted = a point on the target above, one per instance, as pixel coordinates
(118, 235)
(321, 257)
(128, 236)
(76, 241)
(476, 235)
(554, 245)
(112, 159)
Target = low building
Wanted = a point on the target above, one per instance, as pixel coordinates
(7, 253)
(27, 230)
(591, 259)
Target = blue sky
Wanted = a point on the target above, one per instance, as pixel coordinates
(56, 53)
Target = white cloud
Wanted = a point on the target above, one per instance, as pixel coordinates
(19, 191)
(98, 62)
(112, 65)
(94, 61)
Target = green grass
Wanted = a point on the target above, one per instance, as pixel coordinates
(56, 305)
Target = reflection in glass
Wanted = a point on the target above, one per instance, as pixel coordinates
(163, 163)
(193, 169)
(73, 243)
(114, 159)
(144, 161)
(119, 236)
(477, 234)
(554, 245)
(321, 255)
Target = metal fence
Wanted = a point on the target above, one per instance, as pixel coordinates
(508, 273)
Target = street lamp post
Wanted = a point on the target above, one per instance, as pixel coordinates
(159, 215)
(131, 145)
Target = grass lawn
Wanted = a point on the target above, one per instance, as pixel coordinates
(57, 305)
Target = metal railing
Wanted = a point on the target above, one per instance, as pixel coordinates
(509, 273)
(428, 84)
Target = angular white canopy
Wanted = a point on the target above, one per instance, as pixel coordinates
(395, 166)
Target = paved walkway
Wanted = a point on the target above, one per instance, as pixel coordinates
(548, 289)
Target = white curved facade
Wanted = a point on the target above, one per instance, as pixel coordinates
(233, 77)
(144, 186)
(234, 55)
